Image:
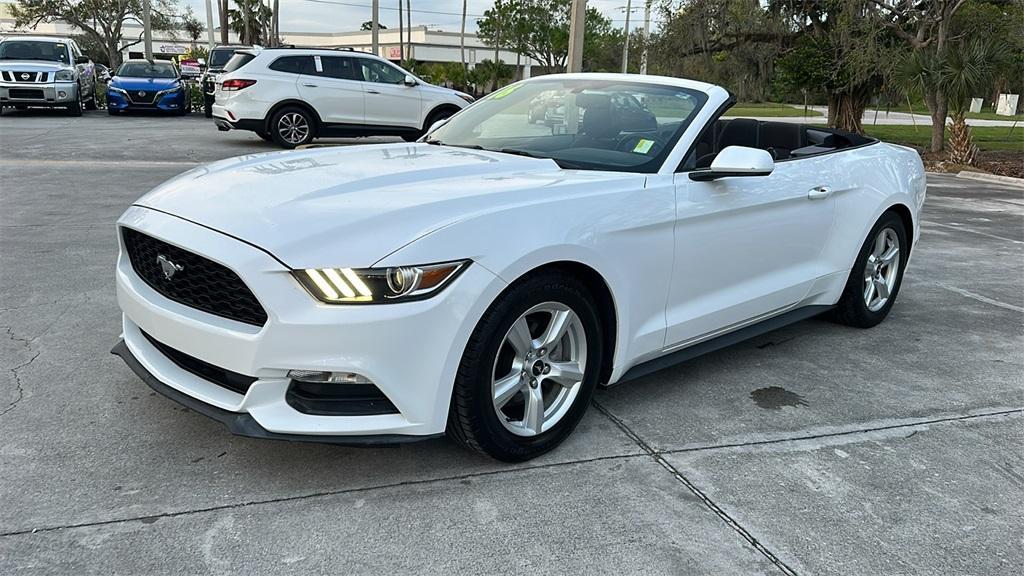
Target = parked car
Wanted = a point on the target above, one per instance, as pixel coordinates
(483, 281)
(102, 73)
(218, 57)
(292, 95)
(145, 85)
(44, 71)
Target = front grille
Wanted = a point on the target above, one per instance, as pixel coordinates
(199, 282)
(233, 381)
(141, 96)
(25, 93)
(24, 76)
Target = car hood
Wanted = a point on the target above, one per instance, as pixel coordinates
(129, 83)
(352, 206)
(32, 66)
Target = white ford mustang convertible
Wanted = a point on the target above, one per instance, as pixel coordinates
(483, 281)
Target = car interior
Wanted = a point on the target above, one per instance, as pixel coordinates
(783, 140)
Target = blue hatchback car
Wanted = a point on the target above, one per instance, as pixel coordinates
(145, 85)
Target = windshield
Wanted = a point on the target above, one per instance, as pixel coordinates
(33, 50)
(585, 124)
(147, 70)
(220, 56)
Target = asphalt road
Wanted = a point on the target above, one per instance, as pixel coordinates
(816, 449)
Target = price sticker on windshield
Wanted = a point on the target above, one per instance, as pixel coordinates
(643, 146)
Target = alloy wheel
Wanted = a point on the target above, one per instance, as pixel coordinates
(293, 128)
(539, 369)
(881, 269)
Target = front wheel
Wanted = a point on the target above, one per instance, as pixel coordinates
(529, 369)
(876, 276)
(291, 127)
(75, 108)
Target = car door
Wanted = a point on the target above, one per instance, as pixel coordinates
(389, 101)
(86, 72)
(747, 247)
(331, 86)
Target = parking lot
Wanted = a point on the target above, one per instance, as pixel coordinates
(815, 449)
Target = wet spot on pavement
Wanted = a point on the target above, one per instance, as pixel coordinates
(776, 398)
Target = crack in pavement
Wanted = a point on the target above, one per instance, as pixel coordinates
(322, 494)
(707, 501)
(859, 431)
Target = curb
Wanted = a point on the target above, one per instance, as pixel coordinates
(1009, 180)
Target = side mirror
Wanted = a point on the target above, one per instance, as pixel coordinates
(437, 124)
(410, 80)
(81, 59)
(737, 161)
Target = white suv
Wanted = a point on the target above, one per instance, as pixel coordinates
(292, 95)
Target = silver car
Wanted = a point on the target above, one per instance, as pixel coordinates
(44, 71)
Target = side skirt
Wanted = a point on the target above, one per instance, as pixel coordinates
(719, 342)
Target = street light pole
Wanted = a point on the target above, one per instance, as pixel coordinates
(209, 25)
(625, 45)
(577, 26)
(147, 30)
(375, 28)
(647, 37)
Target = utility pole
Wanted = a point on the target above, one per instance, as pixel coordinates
(408, 25)
(222, 17)
(577, 25)
(401, 39)
(647, 37)
(209, 25)
(462, 38)
(375, 28)
(625, 45)
(244, 37)
(276, 26)
(147, 30)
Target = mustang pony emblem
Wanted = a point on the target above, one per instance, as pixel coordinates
(169, 268)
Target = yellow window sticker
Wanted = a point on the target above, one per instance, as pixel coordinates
(505, 91)
(643, 146)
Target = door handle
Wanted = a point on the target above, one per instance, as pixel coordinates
(372, 92)
(310, 85)
(819, 192)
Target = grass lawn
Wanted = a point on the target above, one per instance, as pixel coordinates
(985, 137)
(768, 109)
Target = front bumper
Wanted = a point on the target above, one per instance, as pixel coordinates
(410, 351)
(36, 94)
(172, 102)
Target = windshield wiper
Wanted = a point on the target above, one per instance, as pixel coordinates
(518, 152)
(436, 142)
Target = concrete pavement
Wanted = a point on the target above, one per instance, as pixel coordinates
(815, 449)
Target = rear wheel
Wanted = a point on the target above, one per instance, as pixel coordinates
(529, 369)
(876, 276)
(292, 126)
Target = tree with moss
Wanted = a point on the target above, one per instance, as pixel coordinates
(102, 21)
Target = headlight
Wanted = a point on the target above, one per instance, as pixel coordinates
(116, 89)
(378, 285)
(64, 76)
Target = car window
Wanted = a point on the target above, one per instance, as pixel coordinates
(147, 70)
(237, 61)
(337, 67)
(33, 50)
(376, 71)
(293, 64)
(220, 57)
(585, 124)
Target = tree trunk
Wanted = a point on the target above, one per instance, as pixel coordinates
(938, 107)
(845, 110)
(222, 8)
(961, 145)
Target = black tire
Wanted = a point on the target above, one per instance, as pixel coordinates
(288, 112)
(852, 309)
(111, 111)
(472, 419)
(90, 104)
(75, 108)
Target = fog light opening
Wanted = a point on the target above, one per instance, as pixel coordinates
(317, 377)
(62, 94)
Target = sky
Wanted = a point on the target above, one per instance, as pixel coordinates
(347, 15)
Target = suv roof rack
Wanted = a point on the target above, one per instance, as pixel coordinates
(294, 47)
